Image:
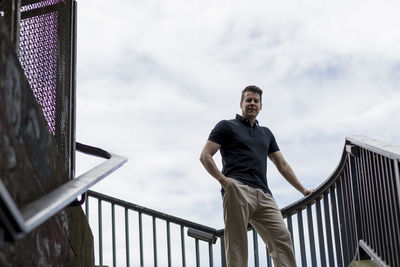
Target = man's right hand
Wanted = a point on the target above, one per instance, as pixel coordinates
(224, 181)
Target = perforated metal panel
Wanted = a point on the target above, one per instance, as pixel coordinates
(45, 54)
(38, 56)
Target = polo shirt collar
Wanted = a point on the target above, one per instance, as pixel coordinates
(245, 121)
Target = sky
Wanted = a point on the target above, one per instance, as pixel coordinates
(154, 77)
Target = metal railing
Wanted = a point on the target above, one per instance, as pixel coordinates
(354, 214)
(147, 226)
(19, 222)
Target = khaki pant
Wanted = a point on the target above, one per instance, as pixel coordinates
(244, 204)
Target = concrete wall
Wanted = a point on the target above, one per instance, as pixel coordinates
(30, 166)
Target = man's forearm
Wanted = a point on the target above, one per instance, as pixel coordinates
(290, 176)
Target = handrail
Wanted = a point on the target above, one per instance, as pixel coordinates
(20, 222)
(318, 192)
(153, 213)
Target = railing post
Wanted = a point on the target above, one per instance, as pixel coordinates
(255, 248)
(353, 152)
(127, 237)
(223, 258)
(183, 247)
(100, 218)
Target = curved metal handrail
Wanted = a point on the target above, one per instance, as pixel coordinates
(302, 203)
(371, 144)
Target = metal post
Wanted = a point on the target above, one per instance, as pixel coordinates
(141, 239)
(301, 234)
(344, 238)
(73, 86)
(168, 244)
(210, 254)
(113, 234)
(328, 229)
(197, 252)
(269, 260)
(183, 248)
(336, 227)
(100, 233)
(127, 237)
(87, 208)
(223, 258)
(255, 248)
(290, 228)
(311, 236)
(155, 241)
(321, 239)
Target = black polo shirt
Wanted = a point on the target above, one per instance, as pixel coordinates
(244, 150)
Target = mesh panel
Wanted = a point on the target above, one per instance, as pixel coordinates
(38, 56)
(45, 56)
(40, 4)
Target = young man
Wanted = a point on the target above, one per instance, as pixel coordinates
(244, 147)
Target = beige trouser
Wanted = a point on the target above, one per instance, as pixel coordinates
(244, 204)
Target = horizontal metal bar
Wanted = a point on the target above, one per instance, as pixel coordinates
(92, 151)
(50, 204)
(202, 235)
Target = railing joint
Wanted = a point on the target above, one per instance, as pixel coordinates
(353, 150)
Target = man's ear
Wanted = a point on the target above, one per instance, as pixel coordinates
(260, 106)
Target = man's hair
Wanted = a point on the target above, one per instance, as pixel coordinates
(253, 89)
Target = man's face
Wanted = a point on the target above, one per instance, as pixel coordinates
(251, 105)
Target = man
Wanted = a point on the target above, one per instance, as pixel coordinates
(244, 147)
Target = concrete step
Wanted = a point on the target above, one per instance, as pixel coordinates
(364, 263)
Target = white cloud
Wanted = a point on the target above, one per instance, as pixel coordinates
(154, 77)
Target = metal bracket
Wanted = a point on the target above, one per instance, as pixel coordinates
(210, 238)
(353, 150)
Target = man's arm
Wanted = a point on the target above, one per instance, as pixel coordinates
(206, 158)
(287, 172)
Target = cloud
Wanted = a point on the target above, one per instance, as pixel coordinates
(154, 78)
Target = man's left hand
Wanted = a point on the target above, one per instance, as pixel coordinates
(307, 192)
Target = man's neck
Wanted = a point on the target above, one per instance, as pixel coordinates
(251, 120)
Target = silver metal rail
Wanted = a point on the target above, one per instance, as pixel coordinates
(20, 222)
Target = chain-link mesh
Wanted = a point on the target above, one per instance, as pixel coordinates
(38, 56)
(40, 4)
(45, 56)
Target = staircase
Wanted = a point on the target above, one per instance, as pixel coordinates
(356, 215)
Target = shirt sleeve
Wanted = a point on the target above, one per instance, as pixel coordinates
(219, 134)
(273, 145)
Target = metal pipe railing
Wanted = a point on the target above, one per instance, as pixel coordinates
(355, 212)
(197, 231)
(19, 222)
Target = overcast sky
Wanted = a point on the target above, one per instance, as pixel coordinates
(154, 77)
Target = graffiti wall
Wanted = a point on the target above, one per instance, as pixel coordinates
(30, 166)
